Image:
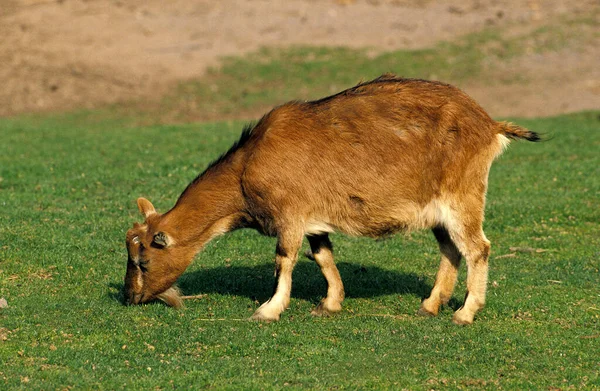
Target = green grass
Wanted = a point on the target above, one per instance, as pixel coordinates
(68, 184)
(67, 196)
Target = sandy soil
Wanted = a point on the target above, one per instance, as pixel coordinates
(66, 54)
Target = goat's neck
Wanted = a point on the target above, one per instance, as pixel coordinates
(211, 206)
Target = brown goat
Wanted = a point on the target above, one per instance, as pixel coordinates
(388, 155)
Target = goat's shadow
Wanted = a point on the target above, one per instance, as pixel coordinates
(256, 282)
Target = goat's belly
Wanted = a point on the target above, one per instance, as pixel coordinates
(407, 218)
(375, 230)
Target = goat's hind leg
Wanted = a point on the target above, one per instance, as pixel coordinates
(322, 252)
(446, 276)
(476, 250)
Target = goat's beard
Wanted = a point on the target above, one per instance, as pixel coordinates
(171, 297)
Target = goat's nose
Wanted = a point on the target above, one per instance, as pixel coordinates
(132, 298)
(136, 298)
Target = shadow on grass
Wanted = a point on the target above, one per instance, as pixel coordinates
(257, 282)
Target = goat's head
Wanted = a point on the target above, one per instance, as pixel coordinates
(153, 263)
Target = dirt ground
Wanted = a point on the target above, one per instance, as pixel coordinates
(59, 55)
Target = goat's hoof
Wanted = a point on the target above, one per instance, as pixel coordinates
(262, 316)
(426, 313)
(461, 319)
(324, 310)
(269, 311)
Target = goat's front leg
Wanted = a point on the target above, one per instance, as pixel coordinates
(285, 260)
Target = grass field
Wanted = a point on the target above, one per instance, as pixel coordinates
(68, 185)
(67, 193)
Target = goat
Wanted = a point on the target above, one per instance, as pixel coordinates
(385, 156)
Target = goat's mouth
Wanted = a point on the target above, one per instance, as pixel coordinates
(171, 297)
(132, 298)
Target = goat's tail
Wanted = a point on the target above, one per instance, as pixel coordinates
(513, 131)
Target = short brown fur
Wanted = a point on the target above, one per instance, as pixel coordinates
(384, 156)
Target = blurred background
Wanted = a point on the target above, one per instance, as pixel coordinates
(192, 60)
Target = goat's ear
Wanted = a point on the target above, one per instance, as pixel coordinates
(161, 240)
(145, 207)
